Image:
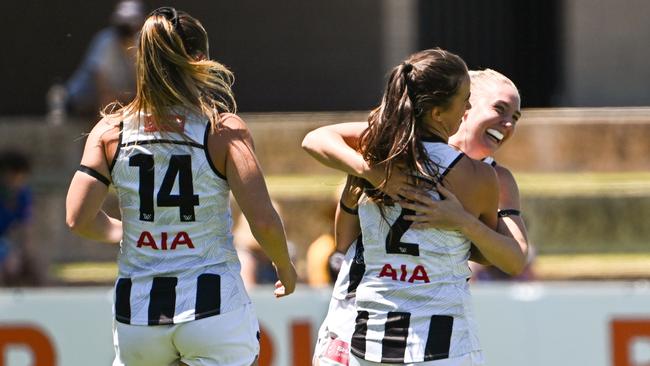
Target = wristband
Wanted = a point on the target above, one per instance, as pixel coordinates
(509, 212)
(351, 211)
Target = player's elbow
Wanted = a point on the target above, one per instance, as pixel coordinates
(74, 223)
(516, 267)
(310, 142)
(307, 142)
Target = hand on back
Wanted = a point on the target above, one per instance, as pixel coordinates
(396, 182)
(446, 214)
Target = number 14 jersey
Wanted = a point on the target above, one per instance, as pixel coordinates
(413, 303)
(176, 262)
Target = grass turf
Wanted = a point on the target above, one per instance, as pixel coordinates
(546, 184)
(624, 266)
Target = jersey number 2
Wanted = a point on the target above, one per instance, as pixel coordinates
(394, 244)
(179, 166)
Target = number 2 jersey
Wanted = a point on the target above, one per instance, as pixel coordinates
(177, 261)
(413, 303)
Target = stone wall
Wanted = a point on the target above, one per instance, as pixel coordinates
(547, 140)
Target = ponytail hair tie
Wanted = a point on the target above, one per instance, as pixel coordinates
(407, 67)
(172, 16)
(168, 13)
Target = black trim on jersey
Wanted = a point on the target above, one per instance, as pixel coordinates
(351, 211)
(509, 212)
(119, 146)
(123, 300)
(162, 141)
(358, 342)
(453, 163)
(434, 182)
(357, 267)
(393, 345)
(206, 134)
(439, 339)
(433, 138)
(95, 174)
(162, 300)
(208, 295)
(493, 163)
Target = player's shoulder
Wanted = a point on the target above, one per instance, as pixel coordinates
(230, 128)
(471, 174)
(505, 176)
(232, 121)
(476, 168)
(503, 172)
(106, 129)
(507, 182)
(478, 178)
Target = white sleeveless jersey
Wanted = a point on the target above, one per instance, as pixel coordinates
(335, 333)
(351, 272)
(413, 302)
(176, 262)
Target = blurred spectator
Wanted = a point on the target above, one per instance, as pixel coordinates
(324, 255)
(18, 259)
(319, 273)
(107, 72)
(256, 267)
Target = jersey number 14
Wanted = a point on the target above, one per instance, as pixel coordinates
(180, 168)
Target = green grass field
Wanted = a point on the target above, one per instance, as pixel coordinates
(585, 184)
(620, 266)
(555, 184)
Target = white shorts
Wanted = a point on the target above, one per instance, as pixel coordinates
(334, 336)
(229, 339)
(470, 359)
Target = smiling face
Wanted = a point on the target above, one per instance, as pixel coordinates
(491, 121)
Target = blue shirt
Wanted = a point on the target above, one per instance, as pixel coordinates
(15, 209)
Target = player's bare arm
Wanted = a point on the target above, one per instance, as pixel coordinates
(235, 154)
(346, 219)
(510, 221)
(336, 146)
(88, 190)
(480, 198)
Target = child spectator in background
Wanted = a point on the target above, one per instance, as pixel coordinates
(17, 260)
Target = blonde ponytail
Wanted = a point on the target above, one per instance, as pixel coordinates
(173, 70)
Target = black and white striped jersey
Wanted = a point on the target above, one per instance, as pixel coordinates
(353, 265)
(413, 302)
(351, 272)
(176, 261)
